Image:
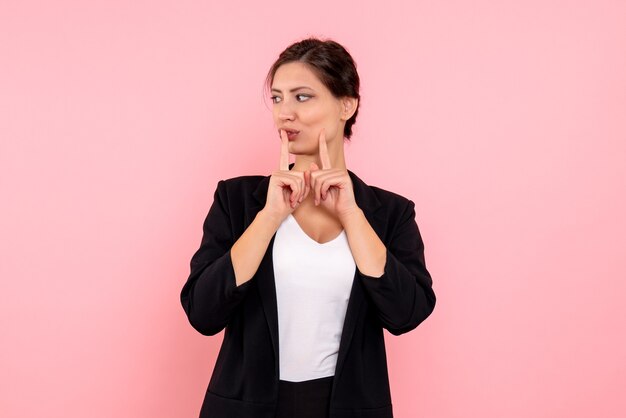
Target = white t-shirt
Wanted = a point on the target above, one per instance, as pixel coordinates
(313, 283)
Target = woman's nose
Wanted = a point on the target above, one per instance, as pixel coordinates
(286, 112)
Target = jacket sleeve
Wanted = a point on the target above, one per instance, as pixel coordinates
(211, 295)
(403, 295)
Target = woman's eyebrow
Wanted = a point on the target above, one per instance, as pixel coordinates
(293, 89)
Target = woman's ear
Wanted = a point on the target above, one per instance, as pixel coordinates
(349, 105)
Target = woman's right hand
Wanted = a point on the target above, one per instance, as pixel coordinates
(286, 188)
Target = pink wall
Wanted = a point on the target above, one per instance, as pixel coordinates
(504, 121)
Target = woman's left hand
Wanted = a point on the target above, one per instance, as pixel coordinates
(331, 187)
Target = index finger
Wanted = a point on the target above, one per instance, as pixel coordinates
(324, 158)
(284, 151)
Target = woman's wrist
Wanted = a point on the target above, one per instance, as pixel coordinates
(267, 218)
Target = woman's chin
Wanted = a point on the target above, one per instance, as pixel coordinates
(296, 147)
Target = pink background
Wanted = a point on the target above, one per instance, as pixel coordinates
(504, 121)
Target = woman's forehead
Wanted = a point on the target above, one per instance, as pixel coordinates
(293, 75)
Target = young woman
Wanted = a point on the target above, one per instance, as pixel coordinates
(303, 268)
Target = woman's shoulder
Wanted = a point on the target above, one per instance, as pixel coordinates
(241, 184)
(388, 204)
(395, 204)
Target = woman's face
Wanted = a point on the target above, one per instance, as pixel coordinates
(302, 103)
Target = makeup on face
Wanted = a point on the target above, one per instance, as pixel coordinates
(302, 105)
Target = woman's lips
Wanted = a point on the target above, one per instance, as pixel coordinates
(291, 135)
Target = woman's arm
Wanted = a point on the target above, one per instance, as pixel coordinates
(220, 270)
(251, 246)
(402, 293)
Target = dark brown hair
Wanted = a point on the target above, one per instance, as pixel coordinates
(331, 63)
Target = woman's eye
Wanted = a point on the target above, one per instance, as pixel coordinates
(276, 99)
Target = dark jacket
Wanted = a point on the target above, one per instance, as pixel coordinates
(244, 383)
